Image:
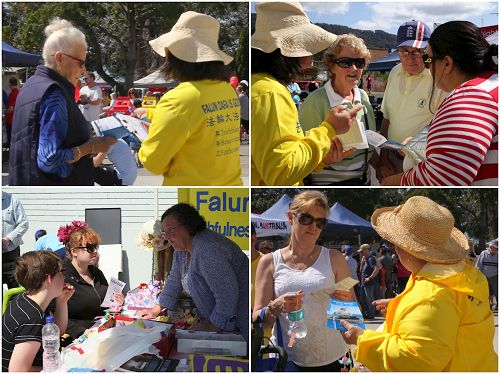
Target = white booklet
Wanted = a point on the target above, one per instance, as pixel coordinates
(115, 286)
(120, 126)
(355, 137)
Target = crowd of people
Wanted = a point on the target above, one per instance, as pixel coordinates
(425, 105)
(207, 266)
(422, 280)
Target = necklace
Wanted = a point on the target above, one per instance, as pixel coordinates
(307, 262)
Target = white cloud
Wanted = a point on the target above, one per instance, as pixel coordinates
(326, 8)
(389, 15)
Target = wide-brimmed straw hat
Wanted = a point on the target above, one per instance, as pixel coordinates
(422, 228)
(194, 38)
(285, 25)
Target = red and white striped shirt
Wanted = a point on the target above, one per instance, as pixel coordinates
(462, 144)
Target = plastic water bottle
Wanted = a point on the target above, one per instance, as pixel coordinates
(50, 344)
(297, 327)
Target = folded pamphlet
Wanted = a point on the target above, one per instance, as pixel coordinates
(120, 126)
(355, 137)
(343, 310)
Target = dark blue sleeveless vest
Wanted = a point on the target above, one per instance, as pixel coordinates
(23, 168)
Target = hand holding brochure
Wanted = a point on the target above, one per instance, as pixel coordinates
(415, 148)
(355, 137)
(120, 126)
(343, 310)
(115, 286)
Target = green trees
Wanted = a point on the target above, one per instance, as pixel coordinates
(118, 33)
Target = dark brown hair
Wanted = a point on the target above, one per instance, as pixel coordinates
(283, 69)
(184, 71)
(186, 215)
(33, 267)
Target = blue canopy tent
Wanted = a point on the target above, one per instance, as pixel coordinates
(14, 57)
(384, 63)
(342, 223)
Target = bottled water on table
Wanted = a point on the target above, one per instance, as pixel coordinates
(50, 345)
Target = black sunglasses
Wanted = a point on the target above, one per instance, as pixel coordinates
(346, 62)
(306, 219)
(427, 60)
(90, 248)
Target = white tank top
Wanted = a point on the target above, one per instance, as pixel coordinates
(322, 345)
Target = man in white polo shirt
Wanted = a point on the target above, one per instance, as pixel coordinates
(90, 98)
(406, 97)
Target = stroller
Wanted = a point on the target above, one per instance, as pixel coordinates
(259, 363)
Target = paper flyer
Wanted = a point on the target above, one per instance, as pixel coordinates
(344, 285)
(110, 126)
(136, 126)
(115, 286)
(355, 137)
(343, 310)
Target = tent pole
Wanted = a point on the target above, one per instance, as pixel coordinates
(359, 239)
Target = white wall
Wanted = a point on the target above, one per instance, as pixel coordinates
(50, 208)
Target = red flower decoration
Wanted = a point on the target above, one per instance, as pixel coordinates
(64, 232)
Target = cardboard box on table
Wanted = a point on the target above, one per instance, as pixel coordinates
(196, 341)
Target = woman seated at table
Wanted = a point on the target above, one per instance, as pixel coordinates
(212, 269)
(82, 244)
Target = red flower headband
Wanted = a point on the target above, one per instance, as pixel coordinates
(64, 232)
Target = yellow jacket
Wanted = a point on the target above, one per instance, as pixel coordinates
(194, 138)
(281, 154)
(441, 322)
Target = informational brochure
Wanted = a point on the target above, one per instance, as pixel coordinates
(136, 126)
(343, 310)
(115, 286)
(355, 137)
(344, 285)
(120, 126)
(414, 148)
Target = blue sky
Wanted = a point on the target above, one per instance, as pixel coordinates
(388, 15)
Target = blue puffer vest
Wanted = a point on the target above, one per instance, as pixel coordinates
(23, 168)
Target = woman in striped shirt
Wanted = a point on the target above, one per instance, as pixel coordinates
(463, 136)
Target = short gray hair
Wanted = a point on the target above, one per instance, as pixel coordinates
(61, 36)
(346, 41)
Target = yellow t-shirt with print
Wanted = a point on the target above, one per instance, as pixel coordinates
(281, 154)
(194, 138)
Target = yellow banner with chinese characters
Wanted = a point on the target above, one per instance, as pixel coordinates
(225, 210)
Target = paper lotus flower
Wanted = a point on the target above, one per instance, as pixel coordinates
(151, 236)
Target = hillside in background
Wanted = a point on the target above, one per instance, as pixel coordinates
(373, 39)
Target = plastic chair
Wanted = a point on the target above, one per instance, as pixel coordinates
(11, 292)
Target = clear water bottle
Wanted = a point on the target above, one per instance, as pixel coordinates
(50, 345)
(297, 326)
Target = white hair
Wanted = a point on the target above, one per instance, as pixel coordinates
(61, 36)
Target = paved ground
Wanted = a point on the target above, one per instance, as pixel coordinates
(145, 178)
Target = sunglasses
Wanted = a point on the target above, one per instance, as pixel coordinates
(346, 62)
(427, 60)
(90, 248)
(306, 219)
(80, 62)
(406, 53)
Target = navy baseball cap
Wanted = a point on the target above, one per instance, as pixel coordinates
(413, 34)
(348, 250)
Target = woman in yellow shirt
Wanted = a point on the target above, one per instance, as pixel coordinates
(194, 137)
(283, 46)
(442, 320)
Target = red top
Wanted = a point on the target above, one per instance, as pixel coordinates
(11, 102)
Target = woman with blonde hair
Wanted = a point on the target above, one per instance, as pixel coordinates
(286, 278)
(50, 137)
(345, 59)
(442, 320)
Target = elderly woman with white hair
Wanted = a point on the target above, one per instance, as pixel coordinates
(50, 137)
(194, 138)
(442, 320)
(283, 46)
(345, 60)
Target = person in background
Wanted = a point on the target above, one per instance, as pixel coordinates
(442, 321)
(90, 98)
(407, 105)
(266, 246)
(487, 263)
(11, 104)
(369, 271)
(194, 137)
(387, 264)
(81, 271)
(286, 278)
(14, 226)
(41, 274)
(49, 242)
(283, 46)
(255, 257)
(462, 143)
(353, 266)
(295, 91)
(211, 268)
(50, 136)
(123, 172)
(242, 91)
